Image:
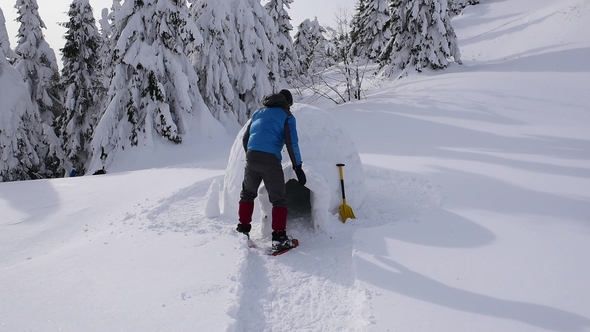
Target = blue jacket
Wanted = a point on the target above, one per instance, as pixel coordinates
(273, 127)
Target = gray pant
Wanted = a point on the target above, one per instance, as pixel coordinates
(271, 172)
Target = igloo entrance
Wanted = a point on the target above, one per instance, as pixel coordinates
(298, 204)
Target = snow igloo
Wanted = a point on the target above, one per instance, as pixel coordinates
(323, 144)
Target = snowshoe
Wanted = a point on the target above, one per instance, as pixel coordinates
(281, 243)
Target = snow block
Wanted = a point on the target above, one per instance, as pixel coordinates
(323, 143)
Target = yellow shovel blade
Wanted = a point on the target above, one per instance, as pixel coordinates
(346, 212)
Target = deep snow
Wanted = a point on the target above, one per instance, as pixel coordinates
(476, 216)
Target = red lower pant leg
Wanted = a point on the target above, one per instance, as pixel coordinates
(279, 218)
(245, 211)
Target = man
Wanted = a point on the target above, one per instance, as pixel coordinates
(271, 127)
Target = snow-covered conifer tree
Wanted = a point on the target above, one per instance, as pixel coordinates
(109, 40)
(395, 28)
(258, 69)
(21, 131)
(311, 47)
(423, 36)
(286, 54)
(238, 49)
(154, 90)
(8, 53)
(38, 66)
(37, 62)
(357, 27)
(370, 28)
(456, 6)
(81, 78)
(214, 59)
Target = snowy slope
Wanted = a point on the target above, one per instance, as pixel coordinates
(507, 138)
(476, 217)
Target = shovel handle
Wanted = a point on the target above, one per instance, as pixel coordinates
(342, 181)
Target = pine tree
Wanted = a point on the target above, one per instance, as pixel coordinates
(37, 62)
(286, 54)
(422, 36)
(38, 66)
(20, 127)
(370, 28)
(238, 50)
(21, 131)
(456, 6)
(109, 40)
(357, 27)
(258, 70)
(7, 52)
(311, 47)
(214, 60)
(395, 28)
(81, 77)
(154, 89)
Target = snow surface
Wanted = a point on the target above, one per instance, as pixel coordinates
(476, 216)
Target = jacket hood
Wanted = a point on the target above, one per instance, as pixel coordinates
(276, 100)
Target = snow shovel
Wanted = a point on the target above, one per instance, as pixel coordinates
(345, 210)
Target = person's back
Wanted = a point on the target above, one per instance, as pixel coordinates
(271, 128)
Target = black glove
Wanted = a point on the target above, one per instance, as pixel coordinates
(300, 175)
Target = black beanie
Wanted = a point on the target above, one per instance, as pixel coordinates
(287, 95)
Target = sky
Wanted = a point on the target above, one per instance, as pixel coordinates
(53, 12)
(474, 215)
